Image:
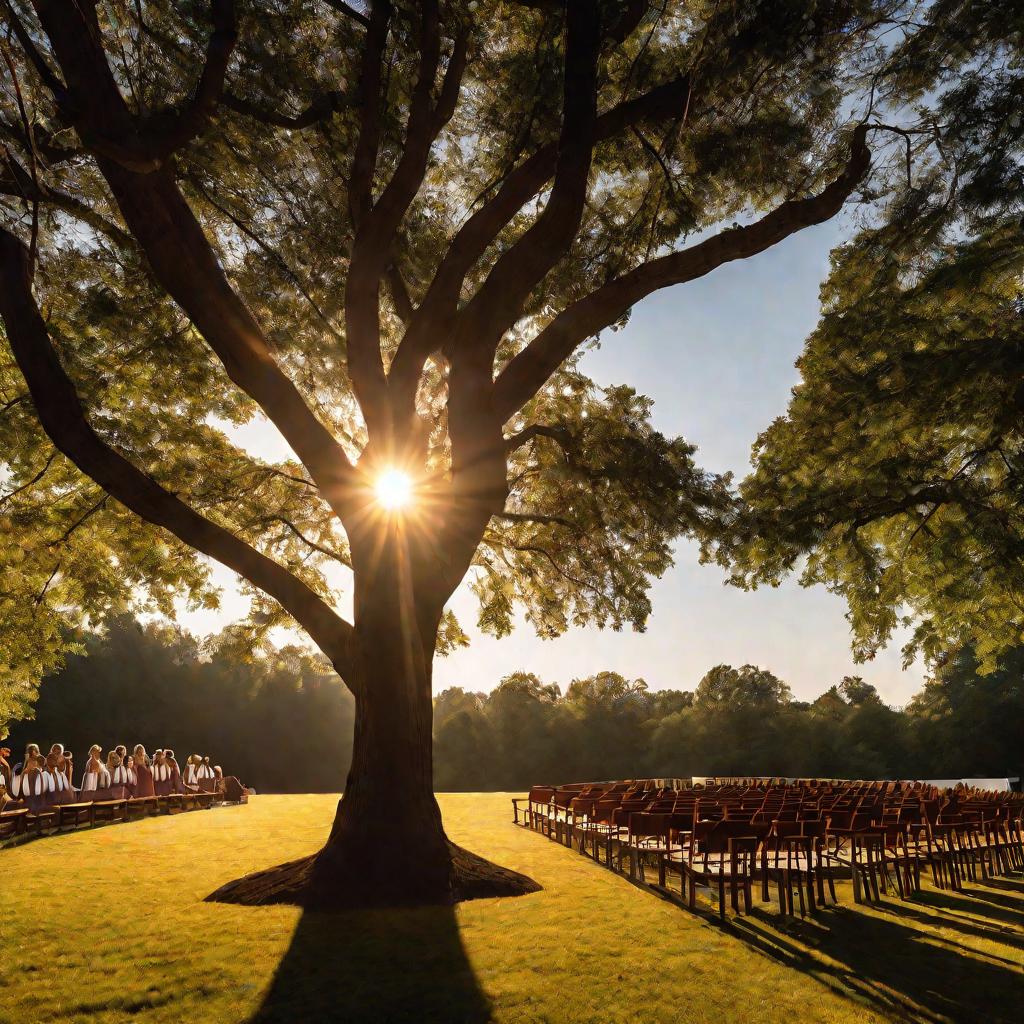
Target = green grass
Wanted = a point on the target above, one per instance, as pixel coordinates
(109, 926)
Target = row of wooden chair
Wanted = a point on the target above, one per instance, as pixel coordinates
(795, 839)
(19, 824)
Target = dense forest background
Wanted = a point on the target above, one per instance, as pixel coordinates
(283, 722)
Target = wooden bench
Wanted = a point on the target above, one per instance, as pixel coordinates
(73, 815)
(109, 811)
(13, 823)
(205, 800)
(140, 807)
(44, 821)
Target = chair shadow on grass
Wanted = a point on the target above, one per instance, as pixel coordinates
(900, 971)
(375, 966)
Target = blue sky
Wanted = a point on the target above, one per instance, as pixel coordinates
(717, 356)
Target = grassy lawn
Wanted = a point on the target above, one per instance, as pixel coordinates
(109, 925)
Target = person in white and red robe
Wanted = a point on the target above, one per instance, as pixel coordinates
(31, 753)
(161, 774)
(176, 786)
(207, 779)
(34, 788)
(63, 791)
(118, 777)
(190, 780)
(95, 778)
(143, 772)
(133, 779)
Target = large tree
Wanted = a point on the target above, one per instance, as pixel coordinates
(389, 229)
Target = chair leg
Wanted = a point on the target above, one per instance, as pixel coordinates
(874, 882)
(955, 872)
(783, 906)
(899, 880)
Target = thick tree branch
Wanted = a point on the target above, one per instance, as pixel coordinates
(349, 11)
(625, 25)
(478, 456)
(364, 160)
(142, 146)
(527, 372)
(185, 264)
(183, 261)
(38, 61)
(321, 108)
(62, 417)
(527, 434)
(399, 292)
(519, 270)
(375, 236)
(433, 319)
(169, 134)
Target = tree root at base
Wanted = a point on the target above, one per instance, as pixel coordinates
(296, 883)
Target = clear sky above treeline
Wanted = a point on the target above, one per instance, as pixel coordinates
(717, 357)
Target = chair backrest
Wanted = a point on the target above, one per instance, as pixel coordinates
(644, 825)
(583, 806)
(737, 814)
(724, 831)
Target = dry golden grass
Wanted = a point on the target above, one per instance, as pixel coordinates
(109, 926)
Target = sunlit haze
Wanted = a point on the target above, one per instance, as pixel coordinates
(394, 489)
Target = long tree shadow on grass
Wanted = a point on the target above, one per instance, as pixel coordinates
(893, 968)
(375, 966)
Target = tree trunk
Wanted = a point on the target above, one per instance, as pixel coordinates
(388, 846)
(387, 836)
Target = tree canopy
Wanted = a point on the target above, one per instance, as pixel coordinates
(191, 206)
(897, 476)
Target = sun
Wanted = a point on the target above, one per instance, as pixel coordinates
(394, 489)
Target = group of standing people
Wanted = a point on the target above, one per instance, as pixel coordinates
(41, 781)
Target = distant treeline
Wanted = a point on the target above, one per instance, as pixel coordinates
(283, 723)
